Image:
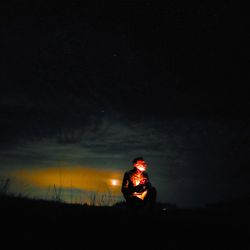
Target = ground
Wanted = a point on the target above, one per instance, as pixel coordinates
(38, 224)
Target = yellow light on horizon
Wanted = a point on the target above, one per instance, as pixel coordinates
(78, 177)
(114, 182)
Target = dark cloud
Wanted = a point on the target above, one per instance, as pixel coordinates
(185, 155)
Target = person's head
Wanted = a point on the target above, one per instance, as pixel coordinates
(140, 164)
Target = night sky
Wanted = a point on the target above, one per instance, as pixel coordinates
(87, 87)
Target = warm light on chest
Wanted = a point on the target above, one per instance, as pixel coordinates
(137, 179)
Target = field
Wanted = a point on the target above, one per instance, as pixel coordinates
(39, 224)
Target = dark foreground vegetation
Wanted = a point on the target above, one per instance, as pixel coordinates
(40, 224)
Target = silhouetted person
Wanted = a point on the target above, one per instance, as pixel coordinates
(136, 187)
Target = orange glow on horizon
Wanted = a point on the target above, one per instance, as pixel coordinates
(78, 177)
(114, 182)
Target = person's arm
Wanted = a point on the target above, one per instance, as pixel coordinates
(124, 188)
(129, 189)
(147, 183)
(140, 188)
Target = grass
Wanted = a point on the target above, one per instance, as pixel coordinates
(54, 224)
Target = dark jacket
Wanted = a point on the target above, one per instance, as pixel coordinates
(133, 183)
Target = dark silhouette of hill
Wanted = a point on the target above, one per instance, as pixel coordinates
(40, 224)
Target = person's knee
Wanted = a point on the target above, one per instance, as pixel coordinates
(153, 192)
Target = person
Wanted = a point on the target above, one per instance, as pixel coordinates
(136, 186)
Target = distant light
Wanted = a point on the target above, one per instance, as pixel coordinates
(114, 182)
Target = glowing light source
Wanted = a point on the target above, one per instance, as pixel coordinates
(114, 182)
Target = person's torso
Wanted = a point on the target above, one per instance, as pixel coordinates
(136, 179)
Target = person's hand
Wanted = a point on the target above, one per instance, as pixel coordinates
(139, 188)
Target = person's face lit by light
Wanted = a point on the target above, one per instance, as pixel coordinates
(141, 165)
